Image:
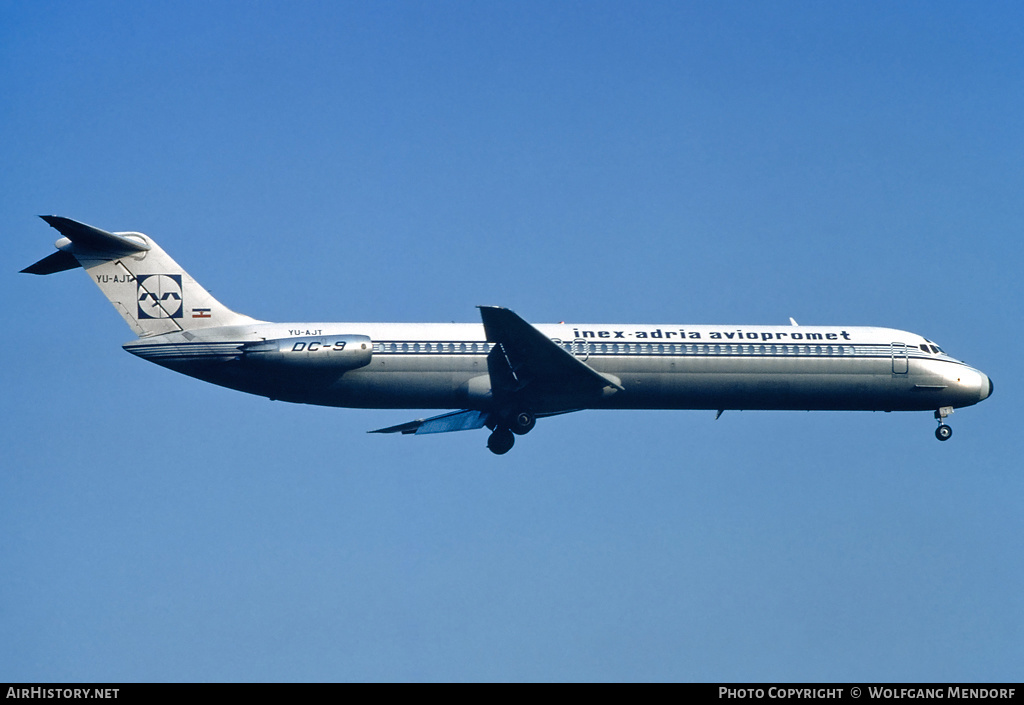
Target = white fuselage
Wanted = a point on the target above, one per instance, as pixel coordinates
(659, 366)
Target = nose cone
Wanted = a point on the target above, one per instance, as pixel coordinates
(977, 385)
(986, 392)
(968, 386)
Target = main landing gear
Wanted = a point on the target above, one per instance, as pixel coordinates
(500, 441)
(503, 436)
(943, 432)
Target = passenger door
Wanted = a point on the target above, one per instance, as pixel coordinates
(900, 364)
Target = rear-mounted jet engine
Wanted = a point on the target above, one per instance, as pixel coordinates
(326, 352)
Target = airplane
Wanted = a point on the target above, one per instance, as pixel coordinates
(505, 373)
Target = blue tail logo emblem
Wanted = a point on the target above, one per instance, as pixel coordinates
(159, 296)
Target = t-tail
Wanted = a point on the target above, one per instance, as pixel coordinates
(150, 290)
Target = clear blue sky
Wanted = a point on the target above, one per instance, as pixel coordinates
(841, 163)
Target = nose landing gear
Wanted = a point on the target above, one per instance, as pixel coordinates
(943, 432)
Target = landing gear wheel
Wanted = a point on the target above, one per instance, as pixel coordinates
(501, 441)
(523, 423)
(943, 432)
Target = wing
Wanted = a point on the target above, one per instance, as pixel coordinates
(465, 420)
(527, 370)
(525, 361)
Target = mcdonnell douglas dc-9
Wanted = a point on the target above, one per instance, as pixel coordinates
(505, 373)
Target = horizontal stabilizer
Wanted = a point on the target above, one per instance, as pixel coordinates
(59, 261)
(465, 420)
(89, 238)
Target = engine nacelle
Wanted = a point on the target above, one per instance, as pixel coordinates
(326, 352)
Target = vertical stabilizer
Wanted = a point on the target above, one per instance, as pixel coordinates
(150, 290)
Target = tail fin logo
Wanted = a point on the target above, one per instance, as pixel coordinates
(159, 296)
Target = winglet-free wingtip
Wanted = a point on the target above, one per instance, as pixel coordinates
(404, 428)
